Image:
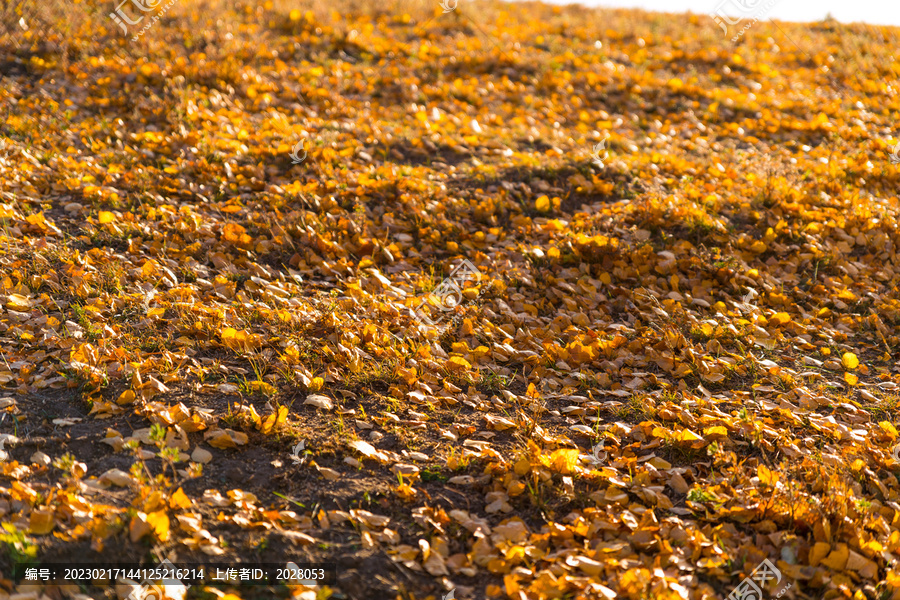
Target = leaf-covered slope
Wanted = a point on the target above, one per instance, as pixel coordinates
(676, 359)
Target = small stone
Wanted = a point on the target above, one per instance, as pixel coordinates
(39, 458)
(319, 401)
(201, 456)
(116, 477)
(404, 469)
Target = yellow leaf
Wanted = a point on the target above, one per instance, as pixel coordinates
(106, 217)
(849, 360)
(510, 581)
(179, 499)
(686, 435)
(126, 397)
(41, 522)
(457, 363)
(564, 460)
(261, 387)
(466, 328)
(660, 463)
(148, 268)
(19, 303)
(837, 560)
(780, 318)
(542, 203)
(850, 378)
(159, 522)
(522, 466)
(276, 418)
(715, 432)
(406, 492)
(515, 488)
(766, 476)
(818, 552)
(225, 438)
(758, 246)
(37, 219)
(369, 332)
(239, 437)
(888, 428)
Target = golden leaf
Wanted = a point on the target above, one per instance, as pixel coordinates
(456, 363)
(179, 499)
(838, 558)
(41, 521)
(564, 460)
(276, 418)
(849, 360)
(766, 476)
(159, 523)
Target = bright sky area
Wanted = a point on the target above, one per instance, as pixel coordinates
(885, 12)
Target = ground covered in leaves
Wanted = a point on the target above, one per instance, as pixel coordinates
(677, 357)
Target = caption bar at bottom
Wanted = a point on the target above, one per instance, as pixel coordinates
(171, 573)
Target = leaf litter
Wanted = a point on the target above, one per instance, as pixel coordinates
(660, 367)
